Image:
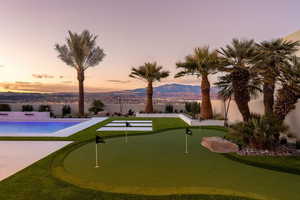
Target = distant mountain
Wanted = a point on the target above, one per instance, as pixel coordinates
(167, 92)
(173, 90)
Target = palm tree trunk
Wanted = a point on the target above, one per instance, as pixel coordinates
(206, 108)
(268, 95)
(285, 102)
(240, 79)
(149, 103)
(226, 111)
(80, 77)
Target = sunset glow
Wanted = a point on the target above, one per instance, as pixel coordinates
(130, 35)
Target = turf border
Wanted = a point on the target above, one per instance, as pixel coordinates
(277, 168)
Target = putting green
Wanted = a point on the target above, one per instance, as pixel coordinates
(156, 165)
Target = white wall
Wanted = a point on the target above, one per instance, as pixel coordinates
(24, 116)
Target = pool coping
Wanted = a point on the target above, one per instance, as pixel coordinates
(86, 123)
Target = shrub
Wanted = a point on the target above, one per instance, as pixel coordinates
(192, 108)
(169, 108)
(5, 107)
(298, 144)
(130, 112)
(66, 110)
(283, 141)
(27, 108)
(45, 108)
(96, 107)
(260, 132)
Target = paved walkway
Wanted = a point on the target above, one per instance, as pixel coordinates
(17, 155)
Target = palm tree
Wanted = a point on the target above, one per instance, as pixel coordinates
(226, 91)
(289, 93)
(150, 72)
(201, 63)
(238, 56)
(271, 58)
(80, 52)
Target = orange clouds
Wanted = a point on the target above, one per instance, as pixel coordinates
(45, 87)
(40, 76)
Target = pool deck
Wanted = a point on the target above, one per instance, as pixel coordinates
(17, 155)
(61, 133)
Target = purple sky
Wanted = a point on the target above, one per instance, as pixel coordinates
(131, 33)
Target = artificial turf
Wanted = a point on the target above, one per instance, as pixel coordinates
(46, 178)
(156, 165)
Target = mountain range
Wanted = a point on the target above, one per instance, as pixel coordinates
(167, 91)
(171, 90)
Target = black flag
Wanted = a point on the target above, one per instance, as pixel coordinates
(188, 131)
(128, 124)
(99, 139)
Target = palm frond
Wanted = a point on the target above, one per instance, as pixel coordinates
(80, 50)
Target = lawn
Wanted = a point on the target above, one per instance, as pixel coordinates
(151, 166)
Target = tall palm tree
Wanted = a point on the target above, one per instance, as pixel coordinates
(238, 56)
(80, 52)
(271, 58)
(226, 91)
(149, 72)
(289, 93)
(201, 63)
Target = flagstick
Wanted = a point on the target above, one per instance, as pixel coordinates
(97, 165)
(126, 132)
(186, 144)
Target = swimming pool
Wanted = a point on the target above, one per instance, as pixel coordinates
(29, 127)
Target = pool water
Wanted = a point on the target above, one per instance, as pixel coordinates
(34, 127)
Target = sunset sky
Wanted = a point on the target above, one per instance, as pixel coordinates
(131, 32)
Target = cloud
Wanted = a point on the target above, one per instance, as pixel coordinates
(118, 81)
(46, 87)
(66, 82)
(40, 76)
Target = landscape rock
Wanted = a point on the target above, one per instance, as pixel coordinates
(219, 145)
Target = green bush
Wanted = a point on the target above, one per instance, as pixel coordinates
(96, 107)
(27, 108)
(192, 108)
(66, 110)
(298, 144)
(169, 108)
(260, 132)
(5, 107)
(44, 108)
